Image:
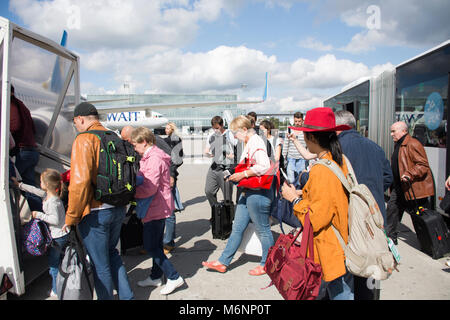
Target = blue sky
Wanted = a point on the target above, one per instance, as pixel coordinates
(311, 49)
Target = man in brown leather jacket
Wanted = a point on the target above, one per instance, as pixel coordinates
(99, 223)
(410, 168)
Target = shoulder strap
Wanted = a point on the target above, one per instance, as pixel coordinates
(337, 171)
(97, 133)
(255, 152)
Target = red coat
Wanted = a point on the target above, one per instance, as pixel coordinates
(21, 124)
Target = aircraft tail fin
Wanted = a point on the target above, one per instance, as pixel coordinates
(266, 87)
(56, 80)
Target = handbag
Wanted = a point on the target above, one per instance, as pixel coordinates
(256, 182)
(250, 243)
(282, 210)
(75, 278)
(142, 206)
(296, 276)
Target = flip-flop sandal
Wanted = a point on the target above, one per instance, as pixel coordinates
(258, 271)
(215, 265)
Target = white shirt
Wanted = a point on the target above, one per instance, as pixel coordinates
(262, 160)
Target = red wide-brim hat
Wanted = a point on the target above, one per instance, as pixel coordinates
(320, 119)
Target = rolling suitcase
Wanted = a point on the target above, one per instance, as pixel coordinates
(222, 215)
(131, 232)
(431, 231)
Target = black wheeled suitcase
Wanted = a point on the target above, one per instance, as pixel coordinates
(131, 232)
(431, 231)
(222, 215)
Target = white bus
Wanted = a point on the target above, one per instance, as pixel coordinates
(45, 76)
(416, 91)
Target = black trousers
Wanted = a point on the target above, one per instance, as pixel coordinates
(396, 205)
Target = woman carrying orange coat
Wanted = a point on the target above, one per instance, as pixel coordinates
(327, 202)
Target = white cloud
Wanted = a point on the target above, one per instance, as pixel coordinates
(223, 69)
(365, 41)
(314, 44)
(326, 72)
(118, 24)
(139, 42)
(410, 23)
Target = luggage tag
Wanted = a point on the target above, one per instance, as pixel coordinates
(394, 250)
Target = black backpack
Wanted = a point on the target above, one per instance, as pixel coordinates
(117, 169)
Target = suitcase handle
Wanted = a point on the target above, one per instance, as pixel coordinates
(226, 187)
(413, 196)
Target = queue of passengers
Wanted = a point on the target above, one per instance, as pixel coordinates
(322, 135)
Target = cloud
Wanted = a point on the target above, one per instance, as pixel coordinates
(141, 43)
(412, 23)
(223, 69)
(118, 24)
(314, 44)
(326, 72)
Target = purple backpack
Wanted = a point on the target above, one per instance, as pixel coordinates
(36, 237)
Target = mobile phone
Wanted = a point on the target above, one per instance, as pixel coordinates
(289, 130)
(226, 174)
(285, 176)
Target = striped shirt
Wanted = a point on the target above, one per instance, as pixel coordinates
(289, 149)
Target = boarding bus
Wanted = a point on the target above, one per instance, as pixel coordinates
(416, 91)
(45, 76)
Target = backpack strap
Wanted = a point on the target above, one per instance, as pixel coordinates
(337, 171)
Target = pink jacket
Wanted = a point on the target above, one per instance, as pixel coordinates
(154, 166)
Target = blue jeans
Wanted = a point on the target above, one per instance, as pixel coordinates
(253, 205)
(177, 199)
(153, 243)
(55, 255)
(341, 288)
(169, 234)
(100, 231)
(26, 160)
(293, 169)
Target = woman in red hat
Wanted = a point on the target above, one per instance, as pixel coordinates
(327, 202)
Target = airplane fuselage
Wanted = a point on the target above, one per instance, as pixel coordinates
(42, 103)
(117, 120)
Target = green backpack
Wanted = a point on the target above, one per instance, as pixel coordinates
(117, 169)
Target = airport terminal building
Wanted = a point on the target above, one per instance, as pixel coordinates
(197, 118)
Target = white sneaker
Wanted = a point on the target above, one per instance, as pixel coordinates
(149, 282)
(53, 294)
(171, 285)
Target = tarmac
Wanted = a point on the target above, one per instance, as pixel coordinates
(419, 277)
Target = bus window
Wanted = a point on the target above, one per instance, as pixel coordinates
(423, 107)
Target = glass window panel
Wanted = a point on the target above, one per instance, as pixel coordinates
(38, 77)
(356, 100)
(422, 97)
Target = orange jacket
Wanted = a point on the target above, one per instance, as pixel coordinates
(83, 175)
(327, 201)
